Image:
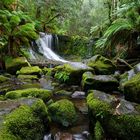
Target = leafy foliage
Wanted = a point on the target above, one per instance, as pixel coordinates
(62, 76)
(124, 30)
(16, 30)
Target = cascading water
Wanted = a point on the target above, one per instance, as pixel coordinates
(45, 44)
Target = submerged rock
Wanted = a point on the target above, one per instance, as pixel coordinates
(132, 89)
(31, 92)
(78, 94)
(101, 65)
(99, 82)
(23, 119)
(63, 112)
(120, 119)
(14, 64)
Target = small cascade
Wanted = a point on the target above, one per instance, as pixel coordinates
(45, 44)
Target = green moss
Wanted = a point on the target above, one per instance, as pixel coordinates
(102, 65)
(125, 127)
(35, 70)
(31, 92)
(63, 112)
(100, 109)
(3, 79)
(14, 64)
(25, 123)
(99, 132)
(47, 71)
(27, 77)
(132, 89)
(72, 72)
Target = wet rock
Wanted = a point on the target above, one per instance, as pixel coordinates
(73, 70)
(101, 65)
(128, 75)
(62, 93)
(120, 119)
(63, 112)
(14, 64)
(78, 94)
(132, 89)
(99, 82)
(19, 119)
(46, 82)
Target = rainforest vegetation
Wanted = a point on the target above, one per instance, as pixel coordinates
(69, 69)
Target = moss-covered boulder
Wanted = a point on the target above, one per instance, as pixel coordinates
(128, 75)
(14, 64)
(101, 65)
(27, 77)
(31, 92)
(99, 82)
(71, 73)
(34, 70)
(25, 119)
(120, 119)
(132, 89)
(3, 79)
(63, 112)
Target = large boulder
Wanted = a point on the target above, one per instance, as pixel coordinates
(14, 64)
(31, 92)
(99, 82)
(24, 119)
(63, 112)
(71, 73)
(34, 70)
(120, 119)
(128, 75)
(132, 89)
(101, 65)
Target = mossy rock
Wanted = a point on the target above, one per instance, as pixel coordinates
(132, 89)
(99, 82)
(101, 65)
(73, 70)
(98, 131)
(128, 75)
(34, 70)
(63, 112)
(31, 92)
(14, 64)
(62, 93)
(27, 77)
(3, 79)
(27, 121)
(119, 118)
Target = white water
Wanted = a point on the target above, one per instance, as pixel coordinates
(45, 48)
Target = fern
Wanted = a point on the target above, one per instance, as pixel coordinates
(62, 76)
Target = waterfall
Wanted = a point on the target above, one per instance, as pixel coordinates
(45, 44)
